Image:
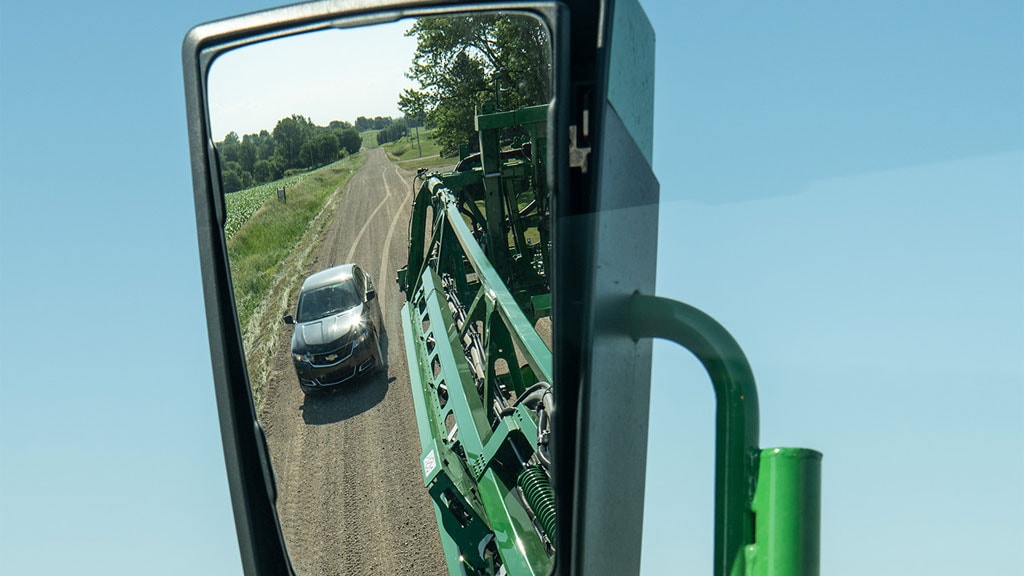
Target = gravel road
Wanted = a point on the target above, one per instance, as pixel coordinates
(350, 493)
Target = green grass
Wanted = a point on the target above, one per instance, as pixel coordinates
(369, 138)
(406, 152)
(405, 148)
(428, 162)
(242, 204)
(259, 246)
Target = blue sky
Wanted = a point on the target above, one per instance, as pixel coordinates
(842, 189)
(308, 78)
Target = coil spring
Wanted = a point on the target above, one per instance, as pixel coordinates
(540, 497)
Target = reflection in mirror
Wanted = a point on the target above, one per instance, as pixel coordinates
(407, 421)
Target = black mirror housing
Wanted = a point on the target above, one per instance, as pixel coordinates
(580, 100)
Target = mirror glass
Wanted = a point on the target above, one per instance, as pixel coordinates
(388, 236)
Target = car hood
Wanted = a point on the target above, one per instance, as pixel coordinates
(326, 330)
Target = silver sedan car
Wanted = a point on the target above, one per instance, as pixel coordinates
(337, 328)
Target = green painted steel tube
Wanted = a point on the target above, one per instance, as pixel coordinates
(736, 443)
(787, 505)
(533, 348)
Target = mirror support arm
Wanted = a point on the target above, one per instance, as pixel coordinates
(736, 442)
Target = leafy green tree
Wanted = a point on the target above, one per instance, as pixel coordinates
(393, 131)
(263, 171)
(289, 136)
(231, 181)
(228, 148)
(414, 104)
(278, 166)
(462, 62)
(295, 145)
(265, 145)
(350, 141)
(320, 150)
(248, 153)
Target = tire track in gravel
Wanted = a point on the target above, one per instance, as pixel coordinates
(350, 494)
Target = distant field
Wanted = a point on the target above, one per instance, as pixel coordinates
(428, 162)
(408, 154)
(369, 138)
(405, 148)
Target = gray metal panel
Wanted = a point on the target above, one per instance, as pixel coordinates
(617, 401)
(631, 72)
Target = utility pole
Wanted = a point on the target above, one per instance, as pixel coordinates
(416, 127)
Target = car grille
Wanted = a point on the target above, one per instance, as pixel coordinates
(332, 358)
(338, 377)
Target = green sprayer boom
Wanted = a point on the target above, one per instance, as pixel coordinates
(477, 288)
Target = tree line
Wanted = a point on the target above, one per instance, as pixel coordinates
(377, 123)
(296, 144)
(394, 130)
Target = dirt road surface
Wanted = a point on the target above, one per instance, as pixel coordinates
(350, 493)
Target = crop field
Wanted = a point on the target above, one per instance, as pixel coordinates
(242, 204)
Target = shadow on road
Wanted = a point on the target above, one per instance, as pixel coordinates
(348, 399)
(345, 401)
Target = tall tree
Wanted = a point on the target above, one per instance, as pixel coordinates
(248, 152)
(349, 140)
(319, 150)
(229, 148)
(289, 136)
(265, 143)
(461, 62)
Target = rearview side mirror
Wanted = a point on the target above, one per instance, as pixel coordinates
(508, 339)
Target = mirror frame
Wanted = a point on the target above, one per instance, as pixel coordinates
(250, 476)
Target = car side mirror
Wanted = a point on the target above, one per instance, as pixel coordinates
(371, 294)
(289, 320)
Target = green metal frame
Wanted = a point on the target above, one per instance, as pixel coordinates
(472, 304)
(767, 503)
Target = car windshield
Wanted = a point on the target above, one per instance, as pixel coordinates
(328, 300)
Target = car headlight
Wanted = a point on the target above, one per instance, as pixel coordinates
(302, 358)
(362, 333)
